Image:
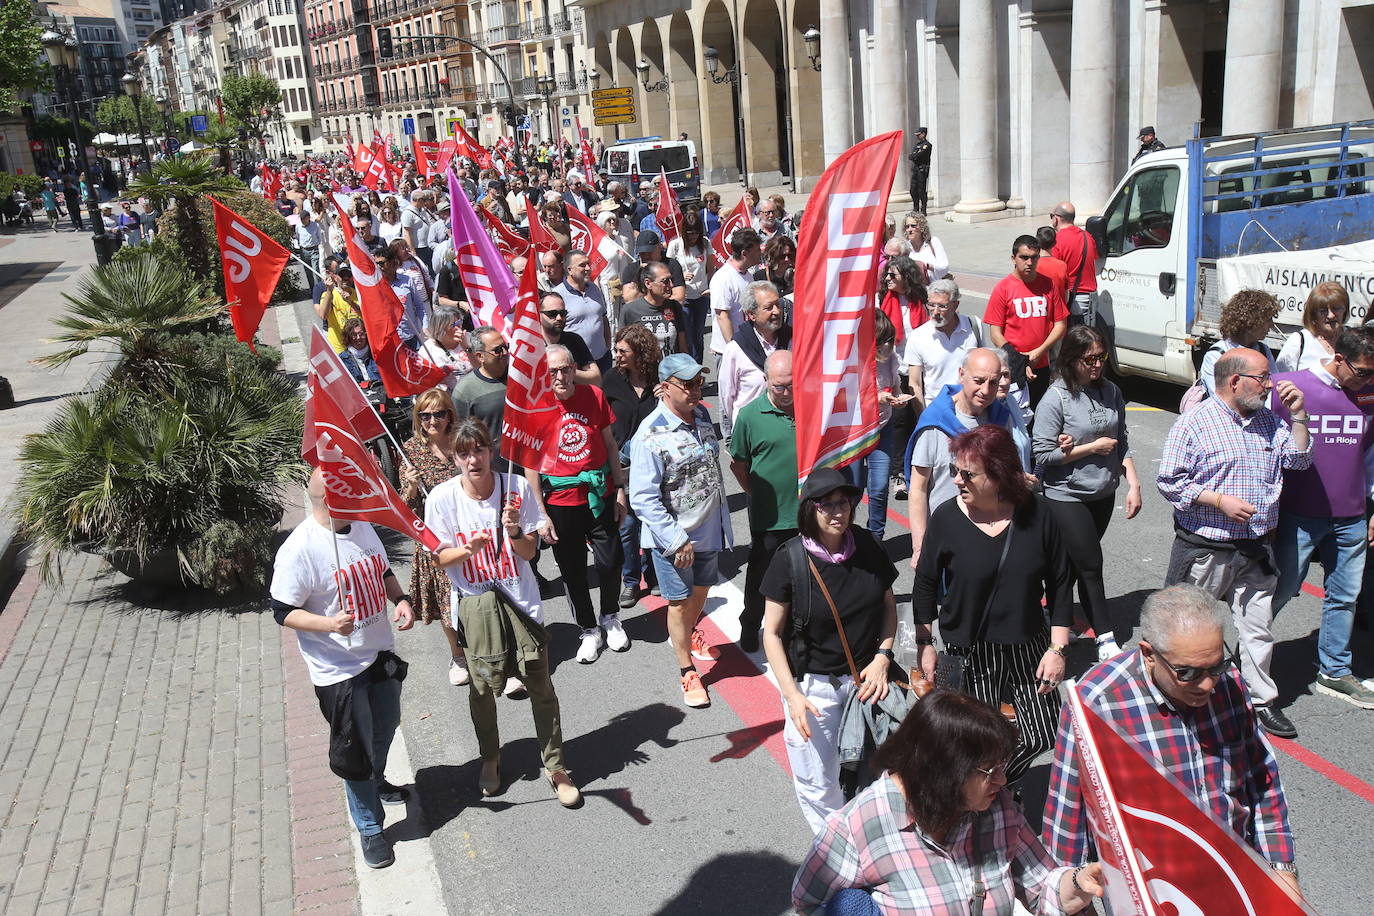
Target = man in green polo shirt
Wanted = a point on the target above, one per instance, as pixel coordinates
(763, 457)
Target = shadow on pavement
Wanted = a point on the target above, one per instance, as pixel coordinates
(1294, 667)
(737, 884)
(1150, 392)
(15, 279)
(1124, 612)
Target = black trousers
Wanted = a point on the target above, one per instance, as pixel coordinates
(919, 178)
(576, 528)
(1037, 386)
(1082, 525)
(996, 671)
(762, 546)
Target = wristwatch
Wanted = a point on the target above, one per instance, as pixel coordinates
(925, 642)
(1291, 867)
(887, 653)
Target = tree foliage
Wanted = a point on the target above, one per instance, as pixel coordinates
(247, 97)
(117, 114)
(21, 64)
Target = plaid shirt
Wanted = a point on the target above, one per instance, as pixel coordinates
(1211, 447)
(1216, 752)
(874, 843)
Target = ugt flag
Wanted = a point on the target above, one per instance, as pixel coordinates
(590, 239)
(737, 218)
(354, 486)
(327, 372)
(836, 401)
(531, 408)
(669, 213)
(1161, 854)
(252, 262)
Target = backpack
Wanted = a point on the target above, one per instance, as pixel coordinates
(1196, 393)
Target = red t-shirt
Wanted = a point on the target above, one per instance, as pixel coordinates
(576, 444)
(1025, 313)
(1057, 271)
(1068, 247)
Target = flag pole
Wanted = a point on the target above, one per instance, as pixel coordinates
(338, 570)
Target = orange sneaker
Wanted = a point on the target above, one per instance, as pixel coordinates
(694, 691)
(700, 650)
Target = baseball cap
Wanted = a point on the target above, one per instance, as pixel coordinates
(1145, 130)
(828, 480)
(681, 366)
(647, 240)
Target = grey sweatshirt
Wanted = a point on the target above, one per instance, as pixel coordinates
(1092, 413)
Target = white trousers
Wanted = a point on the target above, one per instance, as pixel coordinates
(816, 763)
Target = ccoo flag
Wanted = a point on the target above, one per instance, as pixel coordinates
(836, 404)
(531, 408)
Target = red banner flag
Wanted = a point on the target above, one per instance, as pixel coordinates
(426, 155)
(540, 237)
(379, 173)
(591, 240)
(354, 486)
(271, 183)
(467, 146)
(328, 372)
(832, 321)
(252, 261)
(531, 408)
(403, 371)
(669, 215)
(737, 218)
(447, 150)
(348, 149)
(511, 243)
(1162, 854)
(362, 158)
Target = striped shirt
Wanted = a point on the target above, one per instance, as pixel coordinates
(1212, 447)
(1216, 752)
(874, 843)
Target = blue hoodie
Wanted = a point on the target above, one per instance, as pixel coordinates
(940, 414)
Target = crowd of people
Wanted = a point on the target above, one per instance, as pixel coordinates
(1001, 430)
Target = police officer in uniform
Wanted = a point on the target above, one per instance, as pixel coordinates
(1148, 143)
(920, 170)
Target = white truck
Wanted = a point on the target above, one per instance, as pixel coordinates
(1280, 211)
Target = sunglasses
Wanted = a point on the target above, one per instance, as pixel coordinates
(693, 385)
(434, 416)
(1098, 359)
(556, 313)
(499, 350)
(956, 471)
(1187, 674)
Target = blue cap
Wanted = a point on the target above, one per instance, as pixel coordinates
(679, 365)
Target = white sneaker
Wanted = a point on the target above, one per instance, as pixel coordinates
(1107, 648)
(616, 638)
(458, 672)
(591, 646)
(515, 689)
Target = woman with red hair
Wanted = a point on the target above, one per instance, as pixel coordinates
(998, 552)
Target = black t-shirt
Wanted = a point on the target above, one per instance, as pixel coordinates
(450, 285)
(581, 353)
(629, 408)
(662, 324)
(858, 587)
(630, 273)
(1036, 565)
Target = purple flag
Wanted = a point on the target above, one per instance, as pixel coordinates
(489, 282)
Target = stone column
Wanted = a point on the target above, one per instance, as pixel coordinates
(1254, 55)
(977, 109)
(837, 94)
(888, 79)
(1092, 104)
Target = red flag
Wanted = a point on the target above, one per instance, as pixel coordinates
(591, 240)
(362, 158)
(1161, 853)
(540, 237)
(531, 408)
(379, 173)
(447, 150)
(252, 262)
(426, 152)
(511, 244)
(669, 215)
(328, 372)
(832, 321)
(348, 148)
(467, 146)
(271, 183)
(585, 147)
(737, 218)
(403, 371)
(354, 487)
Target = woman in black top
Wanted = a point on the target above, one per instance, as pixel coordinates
(449, 290)
(803, 644)
(629, 387)
(998, 550)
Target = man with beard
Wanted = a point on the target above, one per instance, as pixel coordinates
(656, 309)
(1222, 470)
(742, 364)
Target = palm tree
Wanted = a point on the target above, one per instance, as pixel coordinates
(225, 140)
(177, 185)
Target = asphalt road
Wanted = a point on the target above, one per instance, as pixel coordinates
(692, 811)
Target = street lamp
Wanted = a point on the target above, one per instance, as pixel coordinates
(812, 37)
(133, 88)
(546, 84)
(164, 107)
(63, 55)
(731, 76)
(593, 78)
(643, 68)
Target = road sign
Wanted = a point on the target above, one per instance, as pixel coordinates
(599, 121)
(35, 146)
(616, 92)
(71, 148)
(61, 152)
(408, 126)
(525, 123)
(173, 144)
(199, 123)
(615, 111)
(566, 110)
(567, 122)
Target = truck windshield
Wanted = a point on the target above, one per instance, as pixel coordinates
(1142, 216)
(618, 162)
(670, 159)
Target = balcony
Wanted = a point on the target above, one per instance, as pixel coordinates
(385, 10)
(502, 34)
(260, 22)
(542, 27)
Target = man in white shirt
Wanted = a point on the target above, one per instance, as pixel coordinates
(742, 364)
(936, 350)
(729, 283)
(348, 651)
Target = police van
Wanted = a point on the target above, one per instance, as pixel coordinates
(640, 159)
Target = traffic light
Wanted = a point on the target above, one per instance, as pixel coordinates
(384, 46)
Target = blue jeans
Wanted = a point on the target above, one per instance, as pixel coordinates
(678, 584)
(872, 472)
(377, 715)
(694, 315)
(1340, 545)
(634, 566)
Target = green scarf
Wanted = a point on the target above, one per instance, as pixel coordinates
(596, 486)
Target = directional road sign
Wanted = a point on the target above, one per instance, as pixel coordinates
(615, 92)
(199, 123)
(615, 111)
(408, 126)
(599, 121)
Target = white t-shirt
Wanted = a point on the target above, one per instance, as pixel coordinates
(693, 264)
(727, 286)
(939, 354)
(304, 578)
(455, 517)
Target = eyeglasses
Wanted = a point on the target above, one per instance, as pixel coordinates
(835, 506)
(556, 313)
(997, 769)
(1359, 371)
(434, 416)
(781, 389)
(1187, 674)
(1095, 359)
(956, 471)
(498, 350)
(562, 370)
(1262, 378)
